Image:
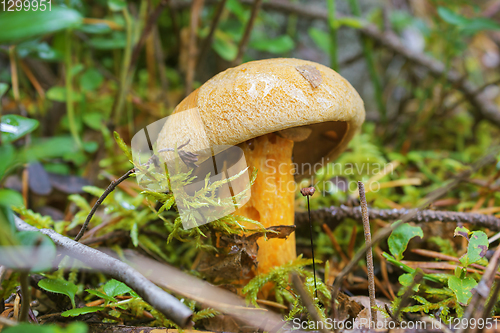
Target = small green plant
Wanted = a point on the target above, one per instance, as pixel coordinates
(457, 292)
(460, 283)
(60, 286)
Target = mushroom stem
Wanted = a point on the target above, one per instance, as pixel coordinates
(272, 199)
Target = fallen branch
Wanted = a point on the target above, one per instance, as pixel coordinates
(332, 216)
(168, 305)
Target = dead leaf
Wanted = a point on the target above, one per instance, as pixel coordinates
(238, 254)
(311, 74)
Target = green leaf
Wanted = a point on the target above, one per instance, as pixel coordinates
(48, 148)
(60, 287)
(115, 288)
(277, 45)
(117, 5)
(7, 155)
(3, 88)
(320, 38)
(451, 17)
(478, 245)
(14, 127)
(10, 198)
(462, 288)
(81, 311)
(399, 238)
(14, 27)
(467, 25)
(91, 79)
(407, 279)
(38, 49)
(224, 46)
(100, 295)
(117, 41)
(58, 94)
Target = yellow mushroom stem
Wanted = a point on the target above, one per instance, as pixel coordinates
(272, 199)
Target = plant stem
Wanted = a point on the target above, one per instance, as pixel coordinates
(334, 64)
(370, 62)
(248, 29)
(110, 189)
(213, 26)
(124, 75)
(369, 254)
(25, 296)
(69, 90)
(312, 248)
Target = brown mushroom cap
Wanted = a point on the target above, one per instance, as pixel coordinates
(272, 95)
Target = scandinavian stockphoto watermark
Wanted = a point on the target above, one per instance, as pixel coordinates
(325, 186)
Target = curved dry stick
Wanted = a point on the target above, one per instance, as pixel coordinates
(167, 304)
(99, 201)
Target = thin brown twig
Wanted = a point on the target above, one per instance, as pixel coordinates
(476, 92)
(153, 17)
(493, 298)
(334, 215)
(25, 296)
(369, 254)
(213, 26)
(165, 303)
(248, 29)
(99, 201)
(442, 256)
(196, 8)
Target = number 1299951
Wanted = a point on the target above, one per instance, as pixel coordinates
(25, 5)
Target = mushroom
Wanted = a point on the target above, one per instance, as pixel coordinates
(286, 115)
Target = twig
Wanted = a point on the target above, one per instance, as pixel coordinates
(168, 305)
(213, 26)
(332, 24)
(369, 254)
(385, 232)
(307, 301)
(332, 216)
(307, 192)
(367, 48)
(248, 29)
(7, 322)
(196, 8)
(145, 33)
(99, 201)
(493, 298)
(25, 296)
(125, 77)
